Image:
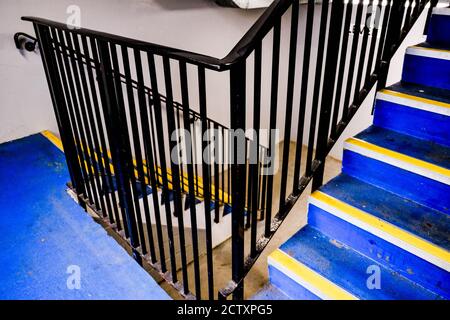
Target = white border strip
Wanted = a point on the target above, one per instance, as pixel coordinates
(308, 286)
(430, 53)
(413, 103)
(381, 234)
(397, 163)
(441, 11)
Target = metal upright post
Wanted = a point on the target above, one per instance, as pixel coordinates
(238, 175)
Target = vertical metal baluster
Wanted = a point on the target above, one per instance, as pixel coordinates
(150, 146)
(73, 107)
(163, 167)
(127, 152)
(373, 43)
(190, 172)
(136, 139)
(381, 46)
(60, 107)
(289, 102)
(206, 172)
(407, 23)
(415, 11)
(82, 121)
(222, 134)
(337, 10)
(352, 63)
(303, 95)
(317, 86)
(175, 171)
(341, 72)
(86, 113)
(238, 174)
(153, 137)
(259, 202)
(392, 37)
(273, 118)
(104, 152)
(249, 183)
(116, 136)
(97, 131)
(137, 163)
(216, 175)
(362, 58)
(255, 166)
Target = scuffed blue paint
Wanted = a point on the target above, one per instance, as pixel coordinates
(429, 192)
(429, 224)
(417, 148)
(406, 264)
(426, 71)
(291, 288)
(348, 269)
(429, 93)
(43, 231)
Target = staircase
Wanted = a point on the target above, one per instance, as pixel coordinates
(380, 229)
(120, 102)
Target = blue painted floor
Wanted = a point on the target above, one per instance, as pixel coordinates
(43, 232)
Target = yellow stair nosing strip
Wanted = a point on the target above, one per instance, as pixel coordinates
(415, 98)
(224, 197)
(53, 139)
(430, 49)
(308, 278)
(384, 226)
(399, 156)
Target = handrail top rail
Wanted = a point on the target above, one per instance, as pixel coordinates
(239, 52)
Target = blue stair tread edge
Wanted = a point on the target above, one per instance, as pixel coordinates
(427, 223)
(430, 93)
(421, 149)
(348, 269)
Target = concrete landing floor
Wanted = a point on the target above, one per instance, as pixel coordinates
(47, 241)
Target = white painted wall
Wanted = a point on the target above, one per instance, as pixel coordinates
(363, 117)
(196, 25)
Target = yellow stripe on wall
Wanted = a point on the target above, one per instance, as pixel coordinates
(415, 98)
(328, 288)
(384, 226)
(399, 156)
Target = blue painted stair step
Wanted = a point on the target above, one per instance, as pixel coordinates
(388, 212)
(439, 26)
(414, 168)
(329, 269)
(419, 111)
(427, 66)
(403, 235)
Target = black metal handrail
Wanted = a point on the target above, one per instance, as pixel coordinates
(241, 51)
(113, 129)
